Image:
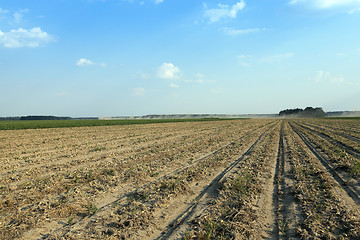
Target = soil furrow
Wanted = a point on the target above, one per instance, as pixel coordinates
(350, 137)
(117, 198)
(329, 211)
(180, 224)
(108, 205)
(237, 179)
(350, 150)
(353, 193)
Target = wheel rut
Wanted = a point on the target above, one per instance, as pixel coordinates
(178, 227)
(286, 208)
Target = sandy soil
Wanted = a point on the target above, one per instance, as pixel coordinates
(236, 179)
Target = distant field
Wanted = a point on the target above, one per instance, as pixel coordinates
(349, 118)
(248, 179)
(13, 125)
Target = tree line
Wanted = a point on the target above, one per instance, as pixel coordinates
(34, 118)
(308, 112)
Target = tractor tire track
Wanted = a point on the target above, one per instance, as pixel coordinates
(287, 210)
(179, 225)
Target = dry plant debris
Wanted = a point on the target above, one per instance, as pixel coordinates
(236, 179)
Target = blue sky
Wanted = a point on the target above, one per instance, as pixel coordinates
(136, 57)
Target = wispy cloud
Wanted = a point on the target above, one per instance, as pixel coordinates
(223, 11)
(327, 77)
(168, 71)
(24, 38)
(245, 60)
(235, 32)
(277, 58)
(173, 85)
(13, 17)
(217, 90)
(3, 11)
(143, 2)
(250, 60)
(18, 16)
(322, 76)
(158, 1)
(140, 91)
(198, 78)
(349, 5)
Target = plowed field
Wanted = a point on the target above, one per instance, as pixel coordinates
(235, 179)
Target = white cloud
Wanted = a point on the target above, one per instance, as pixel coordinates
(84, 62)
(144, 76)
(198, 78)
(216, 90)
(18, 16)
(322, 76)
(173, 85)
(158, 1)
(168, 71)
(199, 75)
(140, 91)
(354, 10)
(224, 11)
(13, 18)
(3, 11)
(293, 2)
(326, 77)
(277, 58)
(235, 32)
(336, 3)
(24, 38)
(245, 60)
(349, 5)
(249, 60)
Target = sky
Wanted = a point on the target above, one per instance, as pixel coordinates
(83, 58)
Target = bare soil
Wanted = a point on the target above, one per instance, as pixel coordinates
(236, 179)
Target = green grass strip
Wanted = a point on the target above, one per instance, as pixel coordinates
(15, 125)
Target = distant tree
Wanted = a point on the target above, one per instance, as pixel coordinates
(9, 118)
(313, 112)
(309, 112)
(290, 112)
(44, 118)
